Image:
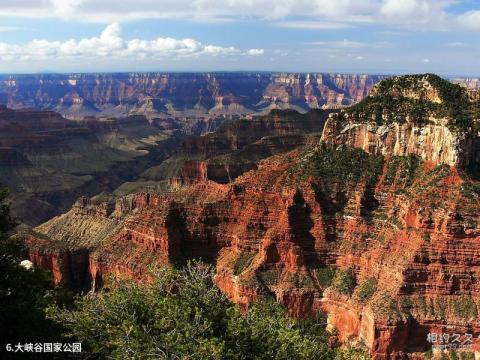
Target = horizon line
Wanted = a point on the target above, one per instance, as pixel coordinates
(69, 73)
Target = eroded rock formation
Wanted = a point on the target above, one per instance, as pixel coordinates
(386, 241)
(178, 94)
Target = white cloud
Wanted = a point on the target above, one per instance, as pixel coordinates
(428, 14)
(10, 28)
(255, 52)
(308, 14)
(65, 8)
(111, 44)
(456, 44)
(342, 44)
(403, 8)
(470, 20)
(348, 44)
(313, 25)
(426, 61)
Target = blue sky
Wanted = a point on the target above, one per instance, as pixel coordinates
(366, 36)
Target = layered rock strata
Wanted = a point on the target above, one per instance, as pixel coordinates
(386, 242)
(181, 94)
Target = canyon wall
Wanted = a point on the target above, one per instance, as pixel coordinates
(435, 143)
(181, 94)
(270, 234)
(47, 161)
(385, 241)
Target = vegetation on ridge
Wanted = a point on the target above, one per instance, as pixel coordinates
(397, 98)
(336, 168)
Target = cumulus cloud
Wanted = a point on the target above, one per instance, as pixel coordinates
(470, 20)
(65, 8)
(111, 44)
(432, 14)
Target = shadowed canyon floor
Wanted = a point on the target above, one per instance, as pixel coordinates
(47, 162)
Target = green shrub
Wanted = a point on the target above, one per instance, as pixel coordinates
(464, 307)
(302, 280)
(397, 222)
(336, 168)
(242, 263)
(24, 293)
(388, 104)
(325, 276)
(384, 304)
(467, 356)
(426, 237)
(181, 314)
(268, 277)
(365, 290)
(353, 354)
(344, 281)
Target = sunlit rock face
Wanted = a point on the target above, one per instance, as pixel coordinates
(434, 143)
(378, 228)
(425, 122)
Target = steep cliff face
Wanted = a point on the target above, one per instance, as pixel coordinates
(434, 143)
(269, 233)
(419, 115)
(470, 83)
(386, 243)
(175, 94)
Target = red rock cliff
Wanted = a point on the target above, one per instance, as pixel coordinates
(387, 244)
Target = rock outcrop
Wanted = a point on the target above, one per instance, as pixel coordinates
(238, 146)
(424, 124)
(434, 143)
(385, 242)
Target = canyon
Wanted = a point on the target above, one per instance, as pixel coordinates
(65, 136)
(181, 94)
(369, 214)
(47, 161)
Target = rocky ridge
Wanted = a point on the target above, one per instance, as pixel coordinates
(411, 115)
(238, 146)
